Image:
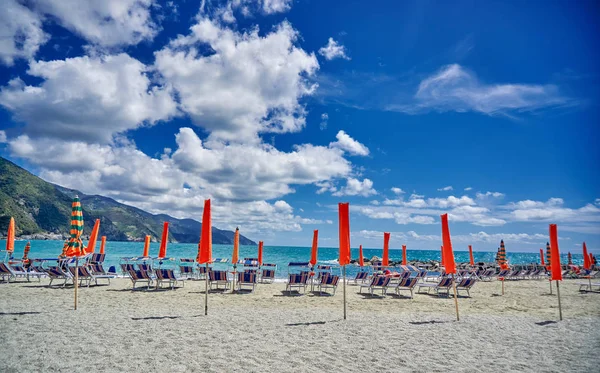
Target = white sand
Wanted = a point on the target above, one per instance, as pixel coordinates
(116, 329)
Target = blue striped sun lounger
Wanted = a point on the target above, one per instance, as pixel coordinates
(328, 282)
(246, 279)
(444, 284)
(218, 278)
(377, 283)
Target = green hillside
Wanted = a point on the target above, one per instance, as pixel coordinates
(40, 207)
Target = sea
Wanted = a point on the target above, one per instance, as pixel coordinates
(279, 255)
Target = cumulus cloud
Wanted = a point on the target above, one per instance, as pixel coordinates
(21, 33)
(397, 191)
(348, 144)
(333, 50)
(355, 187)
(88, 98)
(248, 84)
(454, 88)
(468, 189)
(108, 23)
(3, 137)
(552, 210)
(446, 188)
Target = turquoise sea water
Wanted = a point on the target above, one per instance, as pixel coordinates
(280, 255)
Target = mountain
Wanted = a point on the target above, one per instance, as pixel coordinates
(40, 207)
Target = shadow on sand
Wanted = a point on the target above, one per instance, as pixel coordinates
(155, 318)
(18, 313)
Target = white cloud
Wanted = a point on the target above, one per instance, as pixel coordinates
(454, 88)
(396, 190)
(375, 202)
(88, 98)
(21, 33)
(333, 50)
(355, 187)
(348, 144)
(451, 201)
(446, 188)
(325, 186)
(488, 195)
(468, 189)
(108, 23)
(324, 119)
(2, 137)
(249, 84)
(276, 6)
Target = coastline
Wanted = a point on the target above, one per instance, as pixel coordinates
(117, 329)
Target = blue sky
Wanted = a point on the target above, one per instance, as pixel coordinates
(280, 109)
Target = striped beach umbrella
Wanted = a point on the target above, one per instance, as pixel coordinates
(26, 252)
(502, 256)
(548, 256)
(74, 246)
(569, 258)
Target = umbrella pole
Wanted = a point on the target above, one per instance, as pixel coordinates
(76, 279)
(559, 306)
(344, 275)
(502, 286)
(234, 273)
(455, 297)
(550, 286)
(206, 291)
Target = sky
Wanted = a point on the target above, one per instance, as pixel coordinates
(278, 110)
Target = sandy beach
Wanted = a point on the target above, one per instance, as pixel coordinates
(117, 329)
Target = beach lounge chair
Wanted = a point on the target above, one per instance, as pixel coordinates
(267, 275)
(361, 277)
(246, 279)
(218, 278)
(97, 272)
(444, 284)
(83, 275)
(407, 284)
(56, 273)
(7, 272)
(466, 284)
(164, 275)
(328, 281)
(297, 280)
(377, 283)
(140, 276)
(97, 258)
(126, 268)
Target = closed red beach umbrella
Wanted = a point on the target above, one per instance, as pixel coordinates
(205, 246)
(162, 251)
(556, 270)
(146, 246)
(315, 248)
(260, 253)
(361, 260)
(404, 261)
(344, 221)
(385, 260)
(471, 260)
(103, 245)
(586, 258)
(449, 263)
